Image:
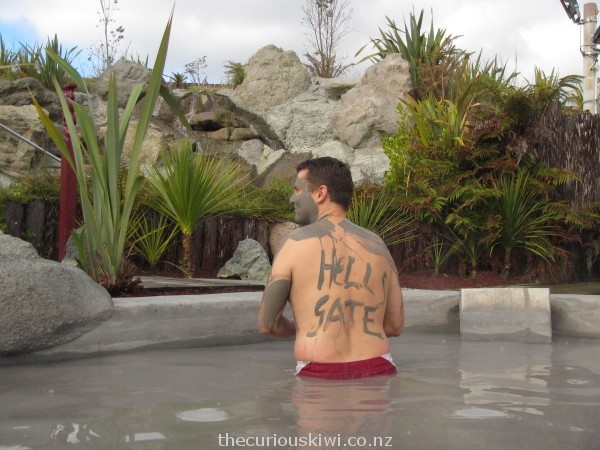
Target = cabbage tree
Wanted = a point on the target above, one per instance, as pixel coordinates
(192, 187)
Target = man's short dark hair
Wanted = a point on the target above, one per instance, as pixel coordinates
(332, 173)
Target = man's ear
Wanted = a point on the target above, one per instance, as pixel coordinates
(322, 193)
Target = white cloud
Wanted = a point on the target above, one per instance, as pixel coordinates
(538, 32)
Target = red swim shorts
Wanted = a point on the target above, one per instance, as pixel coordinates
(348, 370)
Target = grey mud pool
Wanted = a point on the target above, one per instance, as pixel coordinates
(448, 394)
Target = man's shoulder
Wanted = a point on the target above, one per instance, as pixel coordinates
(315, 230)
(361, 232)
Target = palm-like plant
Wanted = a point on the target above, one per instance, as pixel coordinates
(106, 202)
(191, 188)
(375, 212)
(236, 72)
(178, 80)
(525, 220)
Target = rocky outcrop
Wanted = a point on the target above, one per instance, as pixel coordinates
(273, 77)
(277, 117)
(44, 303)
(19, 92)
(333, 117)
(249, 262)
(17, 158)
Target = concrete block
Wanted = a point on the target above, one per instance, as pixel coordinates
(510, 314)
(575, 315)
(431, 311)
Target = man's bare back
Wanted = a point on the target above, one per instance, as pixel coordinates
(341, 283)
(339, 297)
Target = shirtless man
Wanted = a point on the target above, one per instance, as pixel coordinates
(340, 280)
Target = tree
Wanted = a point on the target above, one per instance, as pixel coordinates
(192, 187)
(328, 22)
(195, 70)
(104, 54)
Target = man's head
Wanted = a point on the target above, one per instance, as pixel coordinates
(318, 179)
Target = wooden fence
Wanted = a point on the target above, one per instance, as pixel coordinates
(571, 142)
(214, 242)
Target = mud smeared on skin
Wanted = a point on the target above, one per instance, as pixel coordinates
(369, 240)
(274, 299)
(304, 205)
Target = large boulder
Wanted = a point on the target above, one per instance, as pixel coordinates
(249, 262)
(370, 108)
(273, 77)
(17, 158)
(127, 75)
(44, 303)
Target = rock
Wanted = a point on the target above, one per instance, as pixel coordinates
(127, 74)
(333, 88)
(259, 155)
(335, 149)
(206, 121)
(19, 92)
(12, 246)
(249, 262)
(283, 167)
(17, 158)
(278, 233)
(242, 134)
(369, 166)
(370, 108)
(273, 77)
(303, 123)
(71, 253)
(44, 303)
(98, 107)
(252, 151)
(158, 137)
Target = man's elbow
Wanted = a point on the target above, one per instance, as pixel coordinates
(394, 329)
(394, 332)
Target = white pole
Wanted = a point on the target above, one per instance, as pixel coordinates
(590, 11)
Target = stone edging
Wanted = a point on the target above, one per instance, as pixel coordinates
(230, 319)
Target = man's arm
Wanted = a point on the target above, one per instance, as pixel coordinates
(393, 320)
(270, 315)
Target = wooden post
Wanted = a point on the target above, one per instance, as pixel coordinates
(68, 184)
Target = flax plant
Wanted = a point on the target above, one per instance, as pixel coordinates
(376, 213)
(192, 187)
(107, 205)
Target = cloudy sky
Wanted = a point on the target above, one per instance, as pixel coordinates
(521, 33)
